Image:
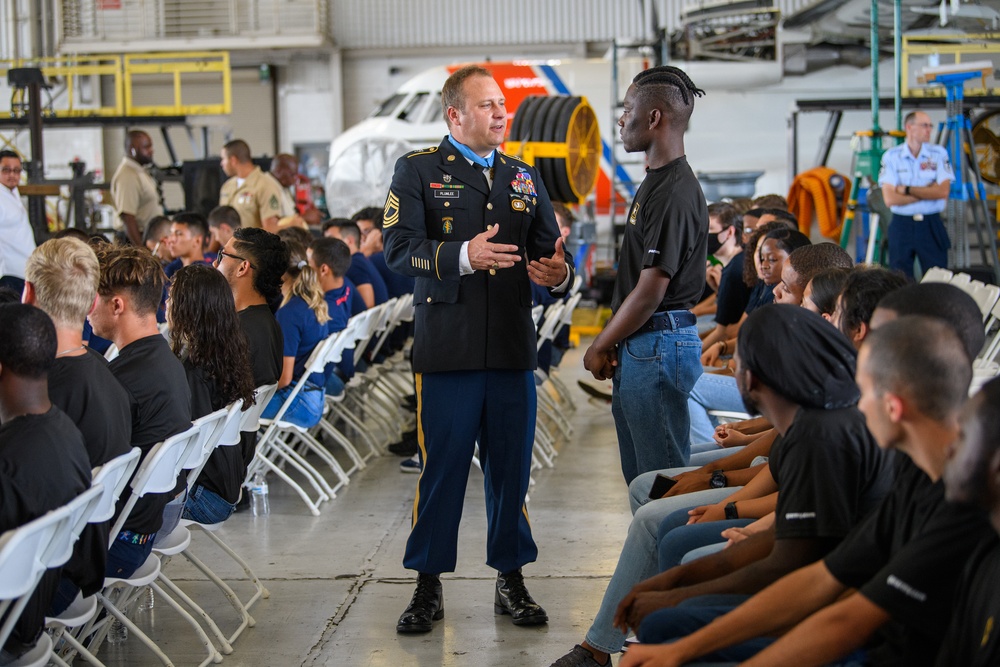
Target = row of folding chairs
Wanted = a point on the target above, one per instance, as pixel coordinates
(359, 423)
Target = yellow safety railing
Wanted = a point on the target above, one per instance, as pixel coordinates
(952, 50)
(70, 70)
(125, 72)
(176, 65)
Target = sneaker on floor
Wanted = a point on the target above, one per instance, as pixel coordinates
(405, 447)
(411, 464)
(594, 390)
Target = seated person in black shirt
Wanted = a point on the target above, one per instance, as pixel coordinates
(803, 265)
(731, 292)
(253, 262)
(797, 371)
(129, 293)
(61, 278)
(973, 476)
(904, 559)
(864, 288)
(43, 461)
(208, 338)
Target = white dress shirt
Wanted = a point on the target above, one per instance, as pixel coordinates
(17, 241)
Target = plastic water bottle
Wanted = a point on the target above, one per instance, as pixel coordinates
(117, 633)
(259, 504)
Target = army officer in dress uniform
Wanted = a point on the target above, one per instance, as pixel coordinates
(473, 226)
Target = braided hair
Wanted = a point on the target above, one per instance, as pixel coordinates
(666, 75)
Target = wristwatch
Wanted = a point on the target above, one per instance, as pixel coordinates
(731, 512)
(906, 190)
(718, 480)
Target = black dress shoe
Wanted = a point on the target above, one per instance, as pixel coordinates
(426, 606)
(512, 598)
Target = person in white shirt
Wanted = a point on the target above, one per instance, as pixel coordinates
(17, 240)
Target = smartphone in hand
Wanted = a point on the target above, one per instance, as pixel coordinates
(661, 485)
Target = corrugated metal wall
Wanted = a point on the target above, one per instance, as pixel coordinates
(386, 24)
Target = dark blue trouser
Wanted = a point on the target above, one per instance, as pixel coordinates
(668, 625)
(453, 410)
(925, 239)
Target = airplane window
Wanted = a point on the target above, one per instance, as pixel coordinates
(432, 111)
(411, 111)
(387, 107)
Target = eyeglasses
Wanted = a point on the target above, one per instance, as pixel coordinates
(928, 125)
(223, 253)
(11, 170)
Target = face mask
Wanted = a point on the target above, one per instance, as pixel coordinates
(714, 243)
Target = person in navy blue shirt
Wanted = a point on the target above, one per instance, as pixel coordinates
(330, 258)
(186, 242)
(369, 221)
(361, 272)
(303, 317)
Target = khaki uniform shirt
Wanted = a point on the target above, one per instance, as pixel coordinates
(133, 191)
(258, 198)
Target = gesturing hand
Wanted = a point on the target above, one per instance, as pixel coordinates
(485, 255)
(549, 271)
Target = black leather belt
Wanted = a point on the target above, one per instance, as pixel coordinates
(670, 320)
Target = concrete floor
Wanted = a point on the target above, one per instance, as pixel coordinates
(337, 584)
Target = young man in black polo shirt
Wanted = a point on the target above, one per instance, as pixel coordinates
(252, 261)
(43, 460)
(973, 476)
(62, 276)
(650, 345)
(732, 294)
(904, 559)
(159, 398)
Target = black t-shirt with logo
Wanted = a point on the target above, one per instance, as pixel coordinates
(667, 228)
(973, 639)
(907, 557)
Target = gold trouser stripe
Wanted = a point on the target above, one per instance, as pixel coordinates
(524, 510)
(419, 381)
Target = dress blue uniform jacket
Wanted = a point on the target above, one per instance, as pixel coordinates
(437, 201)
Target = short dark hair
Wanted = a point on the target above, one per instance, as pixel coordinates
(224, 215)
(194, 221)
(297, 234)
(826, 288)
(28, 343)
(771, 201)
(864, 288)
(452, 94)
(238, 149)
(373, 213)
(332, 252)
(154, 229)
(809, 260)
(133, 271)
(72, 233)
(727, 214)
(269, 256)
(923, 359)
(945, 302)
(9, 154)
(564, 213)
(788, 240)
(346, 227)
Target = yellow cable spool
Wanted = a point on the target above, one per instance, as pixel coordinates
(560, 136)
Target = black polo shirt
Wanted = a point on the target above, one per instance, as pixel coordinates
(266, 350)
(667, 228)
(829, 472)
(224, 471)
(160, 403)
(973, 638)
(733, 295)
(907, 558)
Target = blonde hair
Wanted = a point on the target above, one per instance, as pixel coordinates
(65, 274)
(305, 282)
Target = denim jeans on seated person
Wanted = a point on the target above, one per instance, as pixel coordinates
(656, 370)
(207, 507)
(711, 392)
(305, 411)
(128, 552)
(334, 384)
(638, 559)
(668, 625)
(677, 538)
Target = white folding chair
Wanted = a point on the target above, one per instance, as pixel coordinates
(273, 450)
(111, 478)
(936, 274)
(986, 297)
(26, 553)
(157, 474)
(961, 281)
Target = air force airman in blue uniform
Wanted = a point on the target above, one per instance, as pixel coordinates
(915, 179)
(473, 226)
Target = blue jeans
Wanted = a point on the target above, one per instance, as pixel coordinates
(305, 410)
(711, 392)
(667, 625)
(638, 561)
(207, 507)
(124, 558)
(676, 538)
(656, 371)
(334, 385)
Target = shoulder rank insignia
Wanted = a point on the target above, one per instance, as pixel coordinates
(425, 151)
(391, 214)
(273, 202)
